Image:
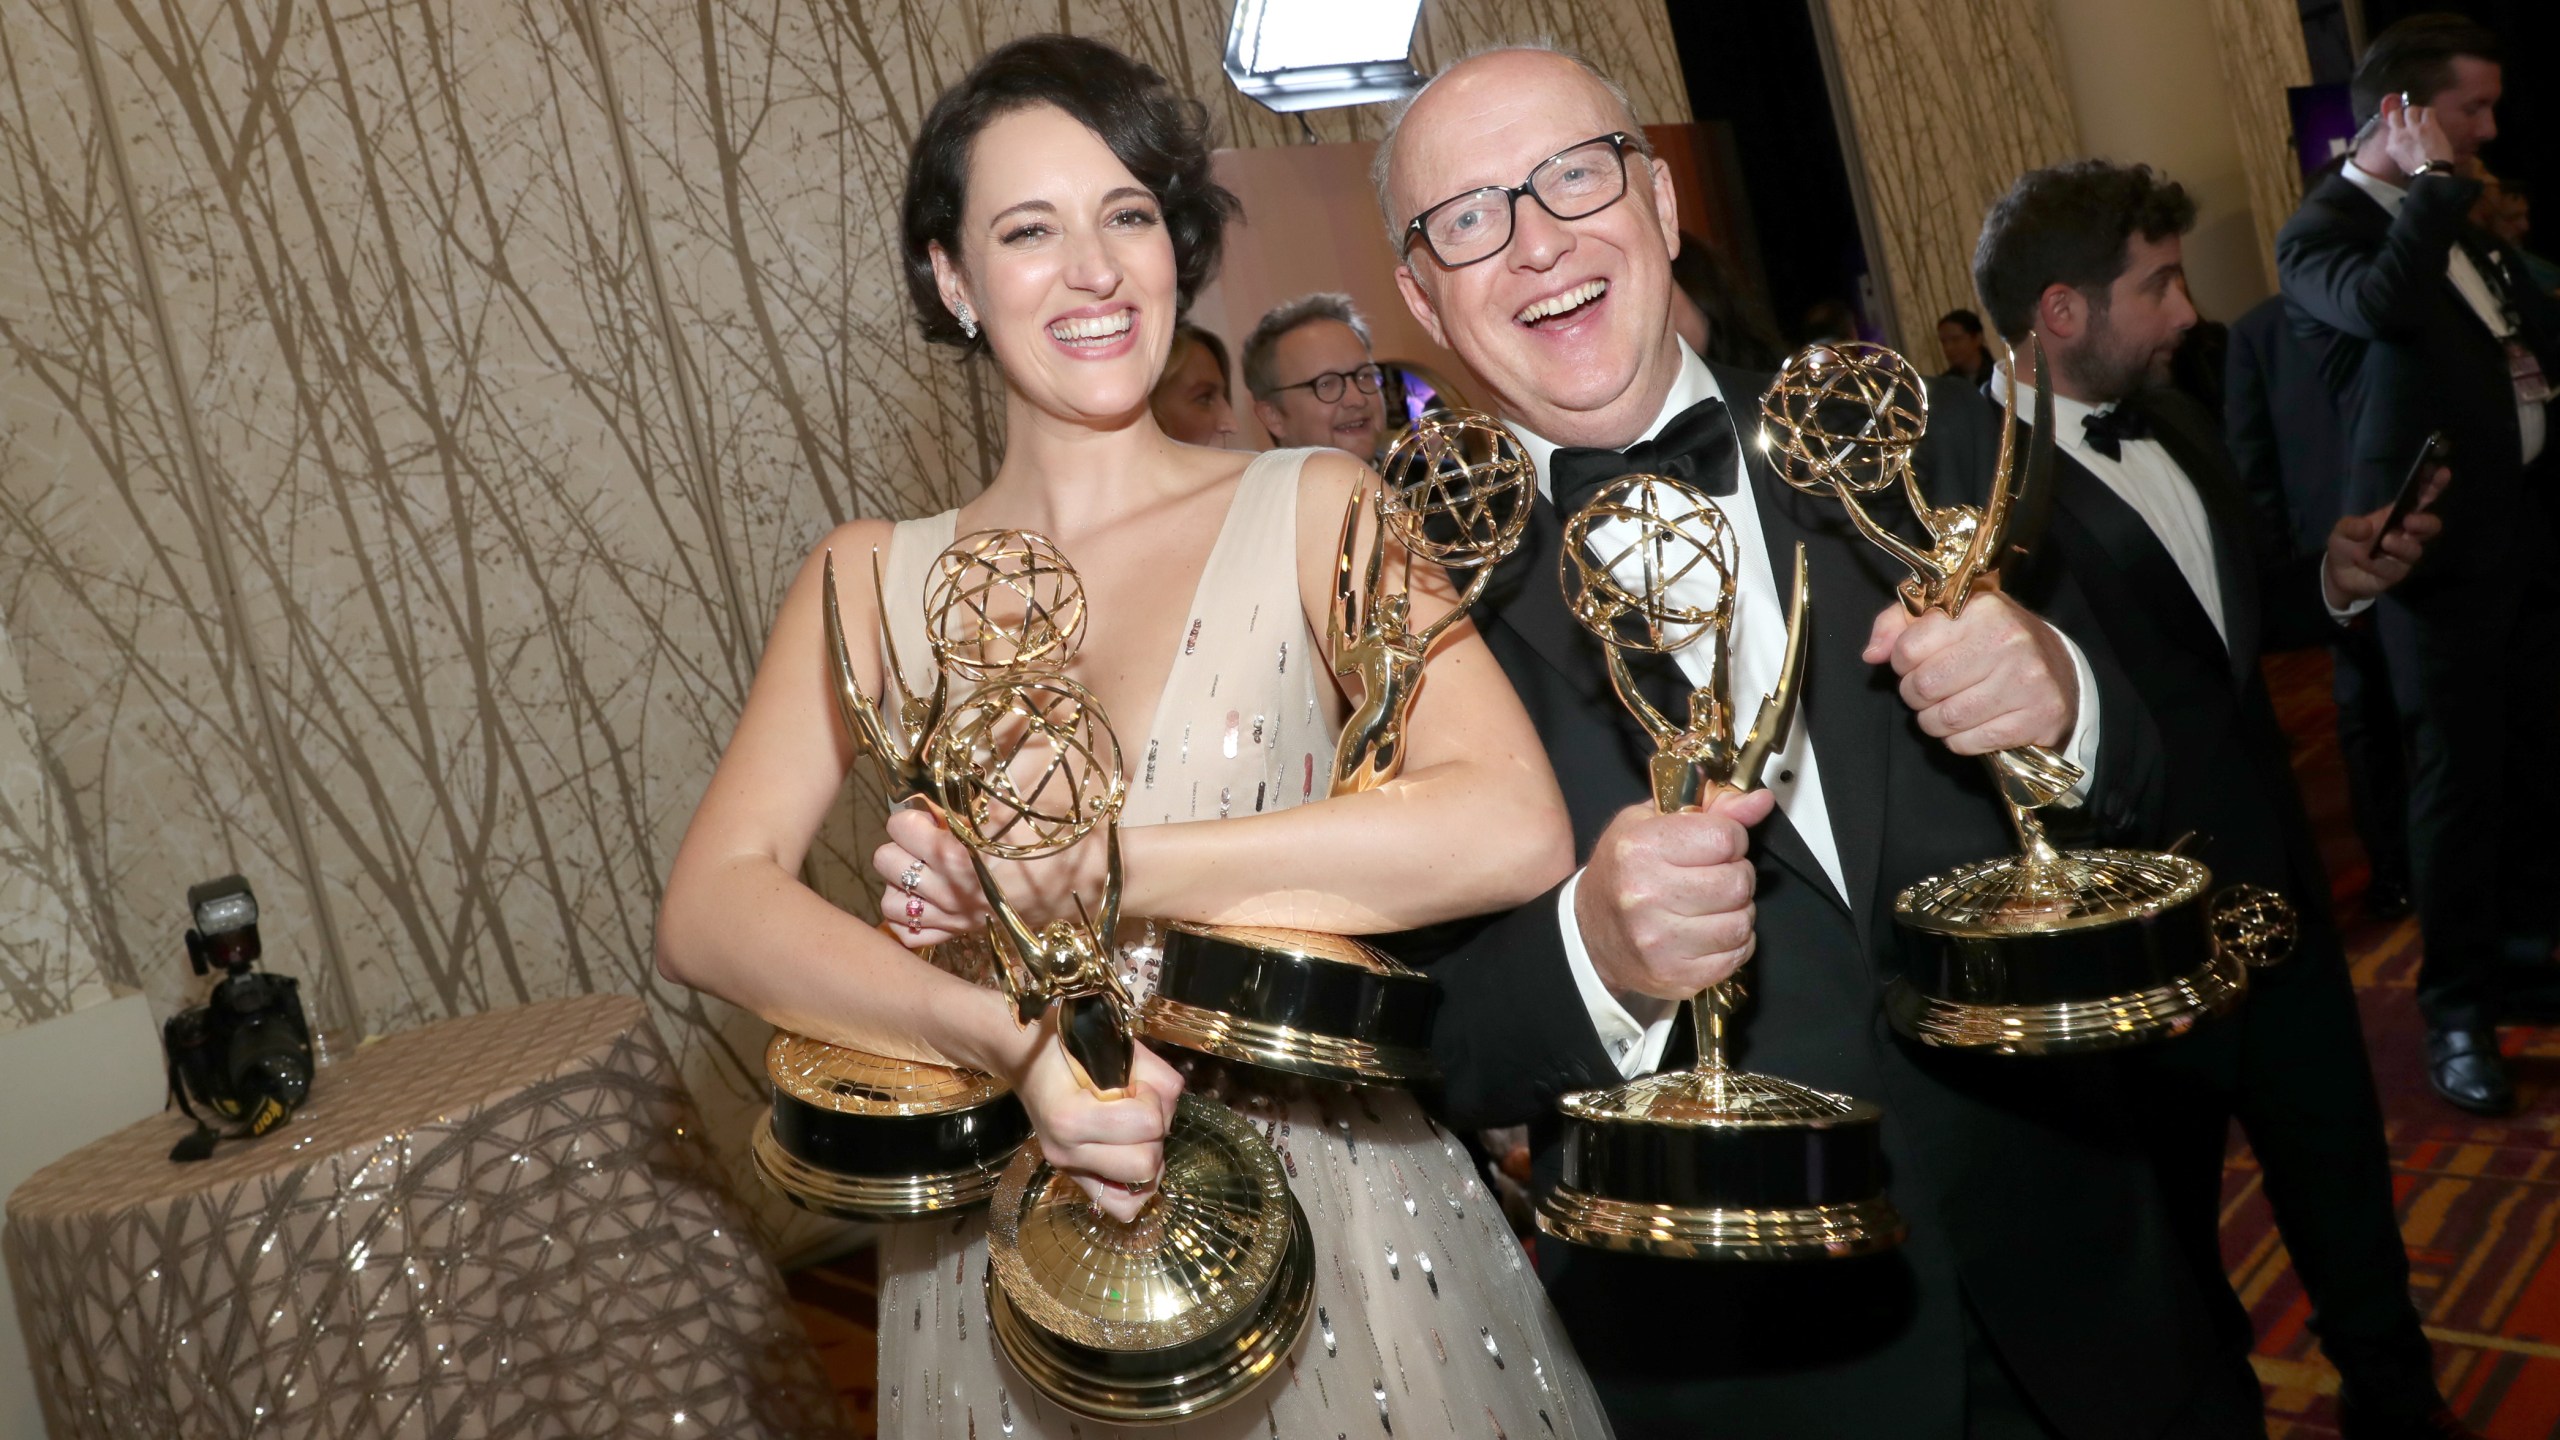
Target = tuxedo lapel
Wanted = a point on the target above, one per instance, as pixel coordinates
(1526, 594)
(2145, 563)
(2226, 512)
(1845, 707)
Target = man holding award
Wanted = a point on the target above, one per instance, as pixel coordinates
(2151, 522)
(2039, 1291)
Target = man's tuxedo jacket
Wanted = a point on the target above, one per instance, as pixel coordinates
(2292, 1063)
(2031, 1201)
(2281, 422)
(2407, 355)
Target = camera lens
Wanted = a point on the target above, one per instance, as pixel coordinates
(286, 1077)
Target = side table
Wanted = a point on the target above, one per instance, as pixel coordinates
(498, 1226)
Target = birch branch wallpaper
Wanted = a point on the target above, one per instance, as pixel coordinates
(1950, 103)
(410, 413)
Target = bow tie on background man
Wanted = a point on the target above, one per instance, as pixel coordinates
(1697, 447)
(2107, 430)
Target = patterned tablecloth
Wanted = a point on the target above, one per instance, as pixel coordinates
(504, 1225)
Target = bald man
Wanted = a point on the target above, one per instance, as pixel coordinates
(2040, 1292)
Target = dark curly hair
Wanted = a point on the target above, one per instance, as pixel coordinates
(1162, 137)
(2068, 225)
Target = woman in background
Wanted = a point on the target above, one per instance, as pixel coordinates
(1191, 402)
(1059, 213)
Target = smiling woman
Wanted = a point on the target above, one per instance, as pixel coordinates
(1161, 138)
(1058, 217)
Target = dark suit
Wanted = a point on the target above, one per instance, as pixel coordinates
(2036, 1218)
(2291, 1064)
(2290, 448)
(2471, 636)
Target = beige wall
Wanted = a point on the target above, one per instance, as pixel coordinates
(2262, 52)
(51, 962)
(2146, 84)
(409, 414)
(1949, 101)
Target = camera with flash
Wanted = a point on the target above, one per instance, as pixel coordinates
(244, 1055)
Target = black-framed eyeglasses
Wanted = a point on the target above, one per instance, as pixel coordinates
(1328, 386)
(1579, 180)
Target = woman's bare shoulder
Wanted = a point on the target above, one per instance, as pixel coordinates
(1327, 477)
(1207, 466)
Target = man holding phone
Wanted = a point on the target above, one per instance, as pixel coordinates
(2426, 324)
(2151, 523)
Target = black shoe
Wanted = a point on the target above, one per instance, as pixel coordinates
(2386, 900)
(2466, 1069)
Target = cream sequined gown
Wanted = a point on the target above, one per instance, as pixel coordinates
(1428, 1320)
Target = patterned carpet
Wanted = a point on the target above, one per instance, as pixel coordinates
(2479, 1200)
(839, 1302)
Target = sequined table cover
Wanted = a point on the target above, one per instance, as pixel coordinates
(499, 1226)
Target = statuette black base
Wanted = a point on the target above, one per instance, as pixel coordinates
(1310, 1004)
(1722, 1165)
(2096, 968)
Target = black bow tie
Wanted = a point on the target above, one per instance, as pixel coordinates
(2107, 430)
(1697, 447)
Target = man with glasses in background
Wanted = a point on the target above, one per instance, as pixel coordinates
(1312, 378)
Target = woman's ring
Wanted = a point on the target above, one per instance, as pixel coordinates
(907, 879)
(915, 910)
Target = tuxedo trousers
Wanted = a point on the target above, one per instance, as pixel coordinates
(2372, 746)
(2476, 668)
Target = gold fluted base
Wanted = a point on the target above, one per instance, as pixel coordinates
(865, 1197)
(847, 1081)
(2070, 1026)
(1172, 1314)
(2012, 897)
(1716, 1098)
(1675, 1232)
(1283, 1047)
(1134, 1393)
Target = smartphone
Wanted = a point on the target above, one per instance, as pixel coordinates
(2365, 131)
(2430, 455)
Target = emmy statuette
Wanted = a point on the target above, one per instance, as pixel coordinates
(1711, 1162)
(1457, 494)
(2049, 951)
(862, 1136)
(1201, 1297)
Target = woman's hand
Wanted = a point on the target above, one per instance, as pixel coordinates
(1113, 1148)
(932, 892)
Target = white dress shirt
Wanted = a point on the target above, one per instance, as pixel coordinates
(2147, 479)
(1757, 648)
(2476, 292)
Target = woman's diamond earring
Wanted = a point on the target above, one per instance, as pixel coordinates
(968, 321)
